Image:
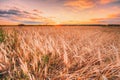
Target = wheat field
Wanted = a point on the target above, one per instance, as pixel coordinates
(60, 53)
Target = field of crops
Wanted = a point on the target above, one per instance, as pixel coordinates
(60, 53)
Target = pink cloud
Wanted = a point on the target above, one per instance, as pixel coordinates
(17, 15)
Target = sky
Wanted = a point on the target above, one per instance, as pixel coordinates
(52, 12)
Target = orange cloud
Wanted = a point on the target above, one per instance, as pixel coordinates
(109, 19)
(80, 4)
(112, 19)
(106, 1)
(114, 15)
(86, 4)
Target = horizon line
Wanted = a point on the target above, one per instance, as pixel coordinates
(62, 25)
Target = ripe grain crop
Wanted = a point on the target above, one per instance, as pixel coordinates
(60, 53)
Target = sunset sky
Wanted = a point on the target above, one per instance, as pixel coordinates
(59, 12)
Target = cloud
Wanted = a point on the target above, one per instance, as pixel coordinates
(31, 22)
(26, 17)
(4, 21)
(110, 19)
(117, 15)
(86, 4)
(107, 20)
(3, 0)
(107, 1)
(80, 4)
(37, 11)
(13, 13)
(9, 12)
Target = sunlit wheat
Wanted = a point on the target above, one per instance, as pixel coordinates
(65, 53)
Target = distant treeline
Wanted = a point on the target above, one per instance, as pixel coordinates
(103, 25)
(92, 25)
